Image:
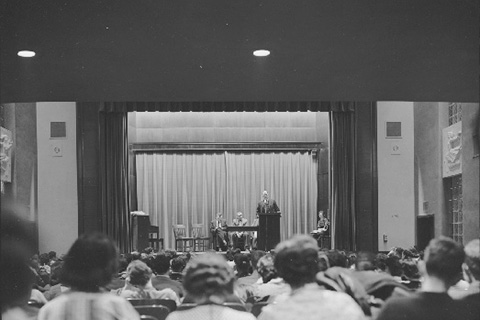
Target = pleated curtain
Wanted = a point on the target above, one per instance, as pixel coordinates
(190, 188)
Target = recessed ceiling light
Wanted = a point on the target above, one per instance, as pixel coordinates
(261, 53)
(26, 53)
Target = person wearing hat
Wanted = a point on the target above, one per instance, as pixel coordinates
(209, 281)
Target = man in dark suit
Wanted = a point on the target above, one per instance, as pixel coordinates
(267, 205)
(218, 228)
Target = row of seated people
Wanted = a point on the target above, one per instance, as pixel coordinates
(296, 280)
(248, 240)
(222, 240)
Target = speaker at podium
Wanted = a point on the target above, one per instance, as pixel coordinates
(140, 228)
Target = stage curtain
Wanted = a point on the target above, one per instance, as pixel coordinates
(114, 178)
(182, 188)
(191, 187)
(342, 136)
(290, 179)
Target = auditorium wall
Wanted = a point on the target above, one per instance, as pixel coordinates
(57, 178)
(430, 119)
(396, 211)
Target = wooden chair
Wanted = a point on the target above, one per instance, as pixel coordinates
(180, 233)
(200, 241)
(170, 304)
(157, 311)
(154, 238)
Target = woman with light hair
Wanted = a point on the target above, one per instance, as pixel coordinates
(138, 284)
(209, 281)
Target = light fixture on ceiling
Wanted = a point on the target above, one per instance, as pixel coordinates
(26, 53)
(261, 53)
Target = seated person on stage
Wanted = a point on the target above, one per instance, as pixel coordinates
(322, 227)
(239, 236)
(218, 228)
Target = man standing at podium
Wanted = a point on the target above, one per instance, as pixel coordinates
(267, 205)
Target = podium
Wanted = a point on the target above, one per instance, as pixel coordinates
(268, 231)
(140, 228)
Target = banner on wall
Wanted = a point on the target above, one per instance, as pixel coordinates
(452, 150)
(6, 143)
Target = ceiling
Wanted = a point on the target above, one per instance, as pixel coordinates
(201, 50)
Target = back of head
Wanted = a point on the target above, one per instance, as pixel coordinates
(90, 263)
(255, 255)
(17, 246)
(178, 264)
(242, 263)
(472, 258)
(161, 264)
(209, 278)
(337, 259)
(296, 260)
(444, 258)
(365, 261)
(138, 273)
(266, 268)
(381, 261)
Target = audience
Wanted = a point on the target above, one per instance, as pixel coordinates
(89, 265)
(161, 267)
(138, 284)
(442, 263)
(296, 261)
(208, 281)
(298, 281)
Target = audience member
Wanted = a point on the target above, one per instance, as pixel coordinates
(16, 279)
(57, 288)
(471, 271)
(209, 281)
(89, 265)
(52, 256)
(138, 284)
(296, 261)
(442, 262)
(118, 281)
(365, 261)
(161, 267)
(242, 265)
(337, 259)
(272, 285)
(255, 255)
(42, 278)
(177, 265)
